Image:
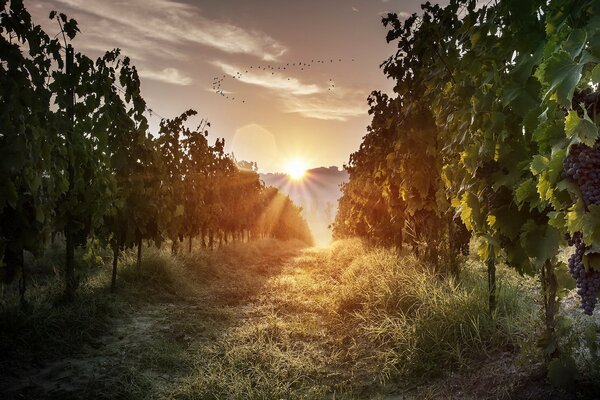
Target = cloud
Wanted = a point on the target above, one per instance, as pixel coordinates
(268, 80)
(309, 100)
(155, 28)
(338, 106)
(168, 75)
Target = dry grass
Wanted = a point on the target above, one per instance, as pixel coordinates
(267, 321)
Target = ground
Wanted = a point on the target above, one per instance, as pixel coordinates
(252, 325)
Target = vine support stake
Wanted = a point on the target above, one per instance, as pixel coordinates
(491, 270)
(70, 245)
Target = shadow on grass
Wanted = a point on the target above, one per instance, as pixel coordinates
(108, 345)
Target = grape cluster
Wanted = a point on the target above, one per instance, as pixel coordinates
(588, 281)
(582, 166)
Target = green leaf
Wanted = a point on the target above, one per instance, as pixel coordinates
(591, 225)
(521, 99)
(562, 75)
(487, 248)
(596, 74)
(507, 221)
(575, 42)
(35, 183)
(555, 167)
(545, 187)
(39, 215)
(526, 191)
(580, 130)
(540, 242)
(557, 219)
(563, 277)
(538, 164)
(470, 211)
(517, 258)
(524, 65)
(575, 217)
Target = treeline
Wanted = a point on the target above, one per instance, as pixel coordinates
(77, 160)
(493, 124)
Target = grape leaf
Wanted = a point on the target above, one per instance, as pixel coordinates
(575, 42)
(540, 242)
(562, 75)
(580, 130)
(538, 164)
(470, 211)
(526, 191)
(590, 226)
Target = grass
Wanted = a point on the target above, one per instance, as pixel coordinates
(267, 320)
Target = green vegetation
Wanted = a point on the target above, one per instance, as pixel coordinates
(490, 143)
(77, 160)
(492, 132)
(268, 320)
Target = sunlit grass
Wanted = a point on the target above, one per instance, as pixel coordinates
(263, 320)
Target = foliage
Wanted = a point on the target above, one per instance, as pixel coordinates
(490, 100)
(77, 159)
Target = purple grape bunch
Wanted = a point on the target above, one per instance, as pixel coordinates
(588, 281)
(582, 166)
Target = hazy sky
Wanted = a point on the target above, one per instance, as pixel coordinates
(317, 113)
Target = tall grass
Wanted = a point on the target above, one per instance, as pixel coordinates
(341, 322)
(419, 323)
(267, 320)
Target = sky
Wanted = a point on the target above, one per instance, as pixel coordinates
(279, 80)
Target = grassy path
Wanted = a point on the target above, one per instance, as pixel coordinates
(273, 321)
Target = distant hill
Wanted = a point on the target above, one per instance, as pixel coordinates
(317, 193)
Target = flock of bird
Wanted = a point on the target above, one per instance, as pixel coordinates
(217, 83)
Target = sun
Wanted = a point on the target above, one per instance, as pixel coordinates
(296, 169)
